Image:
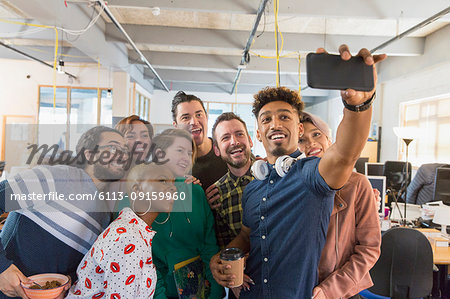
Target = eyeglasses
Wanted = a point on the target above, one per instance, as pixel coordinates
(113, 148)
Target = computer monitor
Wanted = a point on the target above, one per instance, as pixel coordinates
(374, 169)
(379, 182)
(442, 186)
(360, 164)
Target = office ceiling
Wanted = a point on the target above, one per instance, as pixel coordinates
(197, 45)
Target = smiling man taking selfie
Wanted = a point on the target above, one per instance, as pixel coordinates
(286, 211)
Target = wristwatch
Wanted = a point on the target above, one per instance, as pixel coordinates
(361, 107)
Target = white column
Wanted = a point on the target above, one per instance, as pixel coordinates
(121, 95)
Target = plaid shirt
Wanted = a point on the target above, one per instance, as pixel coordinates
(228, 217)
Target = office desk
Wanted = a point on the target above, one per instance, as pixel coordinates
(441, 255)
(441, 258)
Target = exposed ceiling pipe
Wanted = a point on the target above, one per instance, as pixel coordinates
(34, 58)
(412, 29)
(245, 55)
(113, 19)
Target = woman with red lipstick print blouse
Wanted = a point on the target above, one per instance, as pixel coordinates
(120, 263)
(353, 238)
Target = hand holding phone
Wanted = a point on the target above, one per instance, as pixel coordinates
(328, 71)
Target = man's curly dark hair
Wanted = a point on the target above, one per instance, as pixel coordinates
(272, 94)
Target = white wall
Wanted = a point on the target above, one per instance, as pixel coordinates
(19, 95)
(319, 109)
(412, 78)
(428, 83)
(121, 94)
(161, 103)
(332, 112)
(436, 51)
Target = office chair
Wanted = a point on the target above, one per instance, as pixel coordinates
(442, 185)
(394, 171)
(405, 267)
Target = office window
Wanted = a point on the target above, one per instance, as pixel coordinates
(53, 120)
(106, 108)
(49, 114)
(138, 104)
(73, 106)
(83, 106)
(244, 111)
(142, 106)
(432, 117)
(214, 110)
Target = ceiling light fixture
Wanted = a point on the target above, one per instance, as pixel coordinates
(156, 11)
(33, 58)
(60, 67)
(133, 45)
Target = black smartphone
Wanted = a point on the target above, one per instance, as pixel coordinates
(327, 71)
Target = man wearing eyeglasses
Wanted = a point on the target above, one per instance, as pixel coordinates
(49, 235)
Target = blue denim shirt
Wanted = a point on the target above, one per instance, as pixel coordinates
(288, 218)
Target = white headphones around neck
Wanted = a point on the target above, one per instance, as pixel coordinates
(260, 169)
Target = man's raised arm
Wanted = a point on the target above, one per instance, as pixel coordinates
(337, 163)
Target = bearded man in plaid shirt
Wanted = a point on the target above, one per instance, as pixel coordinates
(232, 143)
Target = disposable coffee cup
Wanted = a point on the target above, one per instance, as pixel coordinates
(235, 258)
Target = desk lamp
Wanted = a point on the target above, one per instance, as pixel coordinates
(442, 217)
(407, 134)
